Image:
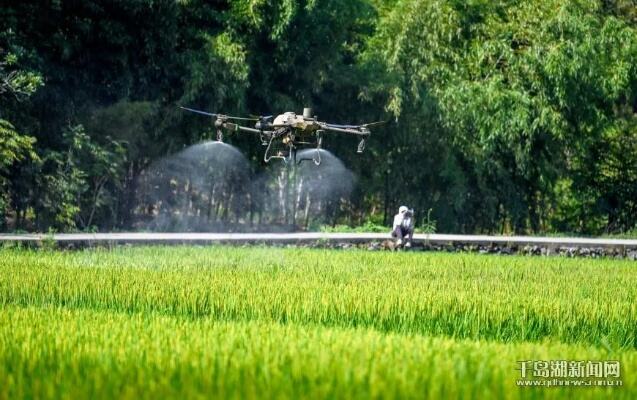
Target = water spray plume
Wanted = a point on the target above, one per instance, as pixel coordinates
(306, 192)
(201, 188)
(210, 187)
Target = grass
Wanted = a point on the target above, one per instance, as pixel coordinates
(288, 323)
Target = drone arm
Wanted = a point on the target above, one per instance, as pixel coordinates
(232, 127)
(360, 132)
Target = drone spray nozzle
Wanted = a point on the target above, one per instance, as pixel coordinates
(361, 146)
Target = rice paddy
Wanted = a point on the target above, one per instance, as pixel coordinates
(201, 322)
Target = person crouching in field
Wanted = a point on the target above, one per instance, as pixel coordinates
(403, 228)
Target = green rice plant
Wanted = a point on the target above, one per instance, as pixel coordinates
(457, 295)
(150, 322)
(52, 352)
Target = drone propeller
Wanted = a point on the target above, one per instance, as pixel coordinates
(261, 117)
(357, 126)
(198, 111)
(218, 115)
(375, 123)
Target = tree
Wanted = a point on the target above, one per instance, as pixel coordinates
(15, 85)
(517, 91)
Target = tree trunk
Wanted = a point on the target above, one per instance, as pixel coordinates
(386, 199)
(297, 202)
(307, 211)
(126, 211)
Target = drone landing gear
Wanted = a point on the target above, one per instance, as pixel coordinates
(287, 156)
(319, 142)
(316, 157)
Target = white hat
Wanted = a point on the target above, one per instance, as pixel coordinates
(402, 209)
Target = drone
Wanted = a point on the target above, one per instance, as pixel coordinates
(287, 132)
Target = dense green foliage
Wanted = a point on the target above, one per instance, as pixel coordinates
(287, 323)
(507, 116)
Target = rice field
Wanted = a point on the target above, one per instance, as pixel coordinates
(256, 322)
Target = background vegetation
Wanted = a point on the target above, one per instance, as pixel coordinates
(507, 116)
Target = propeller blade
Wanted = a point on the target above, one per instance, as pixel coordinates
(218, 115)
(198, 111)
(261, 117)
(375, 123)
